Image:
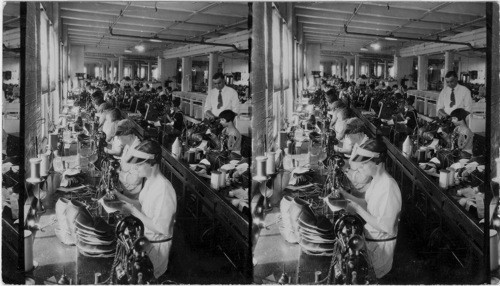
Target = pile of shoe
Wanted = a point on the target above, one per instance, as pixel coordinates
(314, 234)
(93, 236)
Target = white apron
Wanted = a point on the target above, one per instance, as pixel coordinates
(384, 202)
(159, 203)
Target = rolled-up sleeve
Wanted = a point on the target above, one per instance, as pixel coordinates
(467, 100)
(235, 103)
(440, 102)
(208, 103)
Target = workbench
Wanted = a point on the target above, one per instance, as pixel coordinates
(429, 208)
(208, 213)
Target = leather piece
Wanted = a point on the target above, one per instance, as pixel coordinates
(315, 228)
(316, 238)
(76, 209)
(96, 248)
(99, 226)
(286, 228)
(95, 241)
(63, 232)
(316, 247)
(92, 237)
(300, 208)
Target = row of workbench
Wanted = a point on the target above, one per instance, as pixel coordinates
(207, 213)
(431, 209)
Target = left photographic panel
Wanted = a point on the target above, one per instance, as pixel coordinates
(13, 192)
(136, 142)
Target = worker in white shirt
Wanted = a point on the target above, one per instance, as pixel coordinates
(220, 98)
(453, 96)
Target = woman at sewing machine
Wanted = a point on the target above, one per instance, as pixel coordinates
(462, 135)
(156, 205)
(175, 116)
(233, 135)
(380, 207)
(126, 135)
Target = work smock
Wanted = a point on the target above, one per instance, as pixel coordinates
(131, 182)
(159, 203)
(384, 202)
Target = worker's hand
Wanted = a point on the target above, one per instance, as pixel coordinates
(106, 150)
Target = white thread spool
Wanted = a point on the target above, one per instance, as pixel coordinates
(261, 168)
(270, 165)
(35, 170)
(222, 178)
(493, 249)
(44, 164)
(443, 178)
(53, 138)
(28, 250)
(215, 179)
(451, 176)
(176, 148)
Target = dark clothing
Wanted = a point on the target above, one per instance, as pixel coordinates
(178, 118)
(412, 115)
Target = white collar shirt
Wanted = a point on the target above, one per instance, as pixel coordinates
(463, 99)
(230, 101)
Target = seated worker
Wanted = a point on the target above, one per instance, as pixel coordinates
(176, 116)
(462, 133)
(156, 206)
(220, 98)
(335, 107)
(355, 133)
(343, 115)
(126, 133)
(234, 136)
(109, 128)
(380, 207)
(410, 114)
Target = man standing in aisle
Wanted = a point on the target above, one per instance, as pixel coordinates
(453, 96)
(220, 98)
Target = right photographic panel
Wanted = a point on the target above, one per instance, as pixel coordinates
(375, 142)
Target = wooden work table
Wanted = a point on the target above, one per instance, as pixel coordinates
(429, 207)
(208, 213)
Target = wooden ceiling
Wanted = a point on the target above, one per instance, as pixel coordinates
(88, 23)
(323, 23)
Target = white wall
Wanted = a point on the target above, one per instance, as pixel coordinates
(11, 64)
(473, 64)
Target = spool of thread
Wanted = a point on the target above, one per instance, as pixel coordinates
(317, 276)
(497, 161)
(451, 176)
(44, 164)
(261, 168)
(283, 139)
(493, 249)
(53, 139)
(421, 155)
(176, 148)
(298, 149)
(190, 157)
(35, 169)
(270, 165)
(443, 178)
(289, 146)
(222, 179)
(28, 250)
(214, 180)
(197, 155)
